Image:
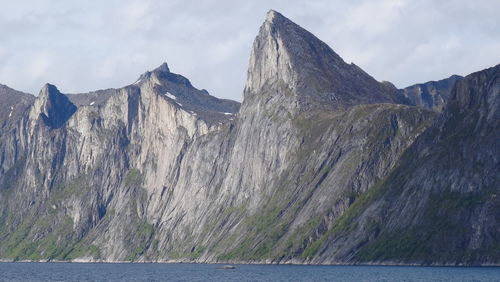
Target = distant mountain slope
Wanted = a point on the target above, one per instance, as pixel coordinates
(12, 104)
(431, 95)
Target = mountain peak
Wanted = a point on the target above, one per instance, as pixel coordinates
(162, 73)
(53, 106)
(286, 55)
(162, 68)
(49, 89)
(272, 15)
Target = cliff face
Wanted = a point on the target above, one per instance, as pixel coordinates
(304, 171)
(440, 204)
(73, 169)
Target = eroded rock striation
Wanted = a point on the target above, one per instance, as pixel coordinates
(320, 163)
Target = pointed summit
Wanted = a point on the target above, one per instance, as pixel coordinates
(53, 106)
(284, 51)
(287, 55)
(275, 18)
(272, 14)
(162, 68)
(163, 75)
(48, 90)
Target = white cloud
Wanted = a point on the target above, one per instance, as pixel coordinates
(373, 17)
(134, 16)
(109, 66)
(100, 44)
(40, 64)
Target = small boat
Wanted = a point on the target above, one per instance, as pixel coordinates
(227, 267)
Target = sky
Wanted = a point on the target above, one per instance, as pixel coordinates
(82, 46)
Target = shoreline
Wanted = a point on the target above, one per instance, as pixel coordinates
(83, 261)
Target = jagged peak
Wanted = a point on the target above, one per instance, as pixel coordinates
(272, 15)
(54, 107)
(286, 55)
(48, 89)
(178, 90)
(277, 25)
(163, 75)
(50, 94)
(285, 51)
(162, 68)
(48, 85)
(275, 20)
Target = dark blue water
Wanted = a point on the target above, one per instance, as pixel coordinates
(210, 272)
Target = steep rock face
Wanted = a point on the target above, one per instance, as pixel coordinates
(294, 80)
(432, 95)
(161, 171)
(338, 156)
(440, 203)
(75, 172)
(14, 106)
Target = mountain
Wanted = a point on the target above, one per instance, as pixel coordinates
(13, 103)
(319, 164)
(440, 204)
(431, 95)
(53, 107)
(286, 55)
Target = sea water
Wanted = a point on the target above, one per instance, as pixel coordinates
(212, 272)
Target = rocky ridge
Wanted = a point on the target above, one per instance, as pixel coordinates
(431, 95)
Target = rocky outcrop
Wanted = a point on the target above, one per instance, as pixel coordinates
(432, 95)
(53, 107)
(161, 171)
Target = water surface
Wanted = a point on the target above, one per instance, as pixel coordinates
(211, 272)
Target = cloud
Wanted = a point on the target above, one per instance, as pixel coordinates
(135, 16)
(88, 45)
(41, 62)
(371, 18)
(109, 66)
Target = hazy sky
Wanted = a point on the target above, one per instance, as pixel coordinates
(88, 45)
